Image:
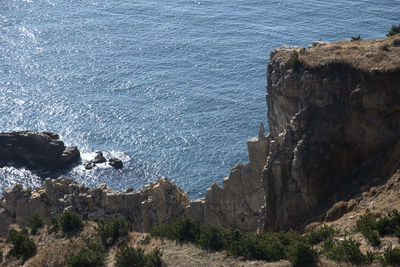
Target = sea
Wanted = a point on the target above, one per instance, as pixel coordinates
(174, 88)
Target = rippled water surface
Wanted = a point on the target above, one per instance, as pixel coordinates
(174, 88)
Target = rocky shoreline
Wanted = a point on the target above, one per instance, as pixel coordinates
(334, 122)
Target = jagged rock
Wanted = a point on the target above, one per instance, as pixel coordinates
(158, 202)
(99, 158)
(334, 127)
(261, 132)
(116, 163)
(37, 150)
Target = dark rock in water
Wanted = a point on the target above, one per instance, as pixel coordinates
(90, 165)
(99, 158)
(70, 154)
(37, 150)
(116, 163)
(3, 163)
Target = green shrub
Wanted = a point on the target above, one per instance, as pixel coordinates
(346, 250)
(1, 256)
(390, 224)
(181, 230)
(109, 231)
(301, 254)
(267, 246)
(391, 257)
(394, 30)
(70, 222)
(264, 246)
(355, 38)
(23, 246)
(234, 242)
(316, 236)
(92, 255)
(212, 237)
(35, 222)
(294, 61)
(53, 225)
(128, 256)
(367, 226)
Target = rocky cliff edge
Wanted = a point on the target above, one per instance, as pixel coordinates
(334, 120)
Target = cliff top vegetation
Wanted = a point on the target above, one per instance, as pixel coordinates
(377, 55)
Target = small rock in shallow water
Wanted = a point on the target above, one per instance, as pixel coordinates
(90, 165)
(99, 158)
(116, 163)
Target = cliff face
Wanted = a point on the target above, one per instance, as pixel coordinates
(334, 123)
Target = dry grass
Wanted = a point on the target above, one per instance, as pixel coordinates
(378, 55)
(53, 249)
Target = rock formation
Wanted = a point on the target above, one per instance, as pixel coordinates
(334, 124)
(158, 202)
(236, 204)
(115, 163)
(37, 150)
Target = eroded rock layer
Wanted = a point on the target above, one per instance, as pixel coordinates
(158, 202)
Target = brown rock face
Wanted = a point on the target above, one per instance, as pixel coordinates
(37, 150)
(333, 128)
(158, 202)
(238, 203)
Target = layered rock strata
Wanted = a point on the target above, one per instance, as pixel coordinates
(36, 150)
(158, 202)
(334, 121)
(237, 204)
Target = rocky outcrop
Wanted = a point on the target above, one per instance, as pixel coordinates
(37, 150)
(115, 163)
(158, 202)
(237, 204)
(334, 124)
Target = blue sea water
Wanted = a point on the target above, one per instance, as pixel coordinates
(175, 87)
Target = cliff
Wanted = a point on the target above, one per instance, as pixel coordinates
(334, 120)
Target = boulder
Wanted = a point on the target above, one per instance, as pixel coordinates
(116, 163)
(37, 150)
(99, 158)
